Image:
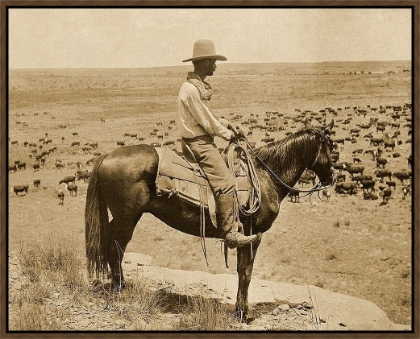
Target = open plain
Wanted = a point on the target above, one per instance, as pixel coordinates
(350, 245)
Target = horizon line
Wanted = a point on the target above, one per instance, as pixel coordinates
(237, 63)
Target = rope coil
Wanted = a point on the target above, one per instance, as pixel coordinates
(255, 192)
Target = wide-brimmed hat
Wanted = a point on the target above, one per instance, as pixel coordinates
(204, 49)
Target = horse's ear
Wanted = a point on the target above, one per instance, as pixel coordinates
(329, 127)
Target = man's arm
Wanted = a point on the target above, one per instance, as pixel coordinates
(204, 117)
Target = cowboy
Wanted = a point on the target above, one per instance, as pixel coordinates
(198, 127)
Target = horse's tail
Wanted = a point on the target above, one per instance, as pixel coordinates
(96, 222)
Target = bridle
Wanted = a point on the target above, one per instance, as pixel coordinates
(318, 186)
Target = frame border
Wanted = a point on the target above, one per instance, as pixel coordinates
(5, 5)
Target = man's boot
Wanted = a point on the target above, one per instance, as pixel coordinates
(226, 208)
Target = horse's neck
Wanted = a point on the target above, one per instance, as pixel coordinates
(289, 163)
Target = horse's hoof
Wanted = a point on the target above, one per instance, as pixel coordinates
(118, 288)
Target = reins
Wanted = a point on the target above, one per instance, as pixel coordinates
(317, 187)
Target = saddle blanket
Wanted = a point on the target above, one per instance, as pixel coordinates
(185, 179)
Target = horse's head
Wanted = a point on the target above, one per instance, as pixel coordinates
(322, 164)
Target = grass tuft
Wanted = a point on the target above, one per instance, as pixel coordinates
(201, 314)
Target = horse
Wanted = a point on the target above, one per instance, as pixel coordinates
(124, 182)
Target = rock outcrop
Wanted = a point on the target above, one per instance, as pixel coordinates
(319, 309)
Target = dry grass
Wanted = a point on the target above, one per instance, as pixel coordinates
(52, 269)
(201, 314)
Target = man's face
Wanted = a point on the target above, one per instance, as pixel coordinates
(210, 66)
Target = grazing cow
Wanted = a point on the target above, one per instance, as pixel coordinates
(120, 143)
(294, 196)
(20, 189)
(402, 176)
(75, 143)
(359, 178)
(370, 151)
(12, 168)
(339, 141)
(308, 177)
(389, 144)
(83, 174)
(381, 162)
(21, 166)
(380, 128)
(67, 180)
(326, 193)
(102, 120)
(406, 190)
(370, 196)
(267, 140)
(368, 186)
(72, 189)
(59, 165)
(382, 173)
(346, 187)
(340, 166)
(386, 195)
(376, 141)
(391, 184)
(86, 149)
(358, 151)
(303, 182)
(61, 197)
(354, 169)
(356, 160)
(160, 136)
(37, 182)
(36, 167)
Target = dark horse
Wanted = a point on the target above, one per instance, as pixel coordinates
(124, 181)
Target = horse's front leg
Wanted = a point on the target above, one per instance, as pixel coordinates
(245, 263)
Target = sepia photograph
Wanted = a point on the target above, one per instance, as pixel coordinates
(178, 170)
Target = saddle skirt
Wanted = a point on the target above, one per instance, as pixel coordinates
(185, 179)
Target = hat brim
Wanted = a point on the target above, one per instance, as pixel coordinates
(213, 57)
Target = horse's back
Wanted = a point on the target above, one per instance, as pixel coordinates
(131, 163)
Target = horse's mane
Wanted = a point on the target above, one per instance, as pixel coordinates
(293, 150)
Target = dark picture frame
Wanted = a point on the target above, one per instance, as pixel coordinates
(4, 182)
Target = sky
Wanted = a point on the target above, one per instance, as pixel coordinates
(159, 37)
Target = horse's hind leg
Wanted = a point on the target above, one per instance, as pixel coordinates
(120, 232)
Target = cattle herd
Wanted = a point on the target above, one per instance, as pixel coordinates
(368, 142)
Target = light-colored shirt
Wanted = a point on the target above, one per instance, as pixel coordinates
(195, 118)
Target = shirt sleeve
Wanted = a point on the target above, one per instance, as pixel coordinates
(201, 113)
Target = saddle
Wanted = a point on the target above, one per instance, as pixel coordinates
(180, 175)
